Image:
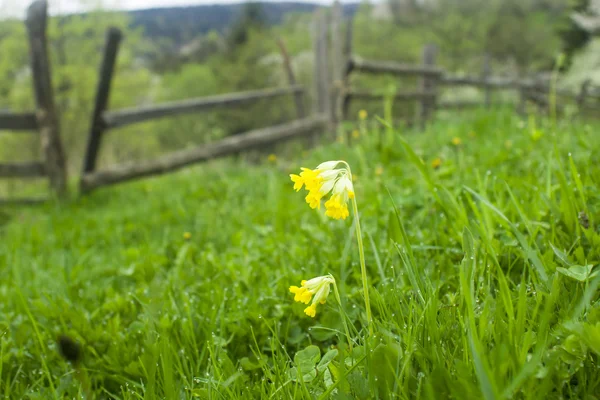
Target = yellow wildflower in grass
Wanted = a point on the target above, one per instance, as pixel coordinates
(355, 134)
(321, 181)
(456, 141)
(379, 170)
(362, 114)
(272, 158)
(316, 289)
(436, 163)
(187, 235)
(326, 178)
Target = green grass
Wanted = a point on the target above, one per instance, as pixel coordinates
(483, 279)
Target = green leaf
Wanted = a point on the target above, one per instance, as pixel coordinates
(578, 272)
(562, 256)
(588, 333)
(249, 365)
(385, 364)
(305, 361)
(327, 358)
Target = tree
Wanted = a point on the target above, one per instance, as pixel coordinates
(252, 17)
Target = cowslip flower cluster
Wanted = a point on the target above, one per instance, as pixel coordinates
(316, 289)
(324, 179)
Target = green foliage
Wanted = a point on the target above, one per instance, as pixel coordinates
(466, 264)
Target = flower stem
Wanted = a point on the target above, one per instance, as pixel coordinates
(342, 314)
(363, 268)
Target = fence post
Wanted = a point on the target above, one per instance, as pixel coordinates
(107, 68)
(321, 81)
(48, 121)
(486, 73)
(583, 93)
(337, 61)
(287, 65)
(428, 84)
(344, 100)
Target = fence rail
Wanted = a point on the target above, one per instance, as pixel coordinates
(116, 119)
(22, 170)
(228, 146)
(26, 122)
(369, 95)
(23, 201)
(390, 67)
(103, 120)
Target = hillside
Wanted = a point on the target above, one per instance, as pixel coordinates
(182, 24)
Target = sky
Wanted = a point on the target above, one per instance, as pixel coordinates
(16, 8)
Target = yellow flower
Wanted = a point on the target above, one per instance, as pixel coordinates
(321, 181)
(456, 141)
(187, 235)
(272, 158)
(355, 134)
(379, 170)
(316, 289)
(362, 114)
(436, 163)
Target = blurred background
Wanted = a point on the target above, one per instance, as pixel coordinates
(175, 50)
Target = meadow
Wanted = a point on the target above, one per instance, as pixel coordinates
(481, 236)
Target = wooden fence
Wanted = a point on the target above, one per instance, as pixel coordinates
(334, 63)
(433, 79)
(43, 121)
(104, 120)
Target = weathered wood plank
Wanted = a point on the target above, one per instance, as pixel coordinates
(343, 100)
(22, 201)
(390, 67)
(455, 104)
(321, 70)
(338, 63)
(491, 82)
(585, 88)
(115, 119)
(428, 84)
(25, 122)
(486, 72)
(107, 68)
(228, 146)
(407, 96)
(52, 148)
(287, 65)
(22, 170)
